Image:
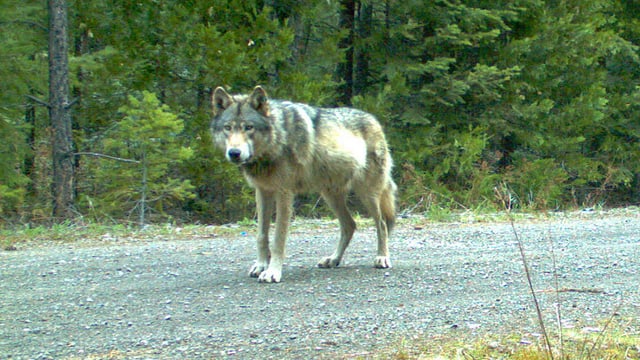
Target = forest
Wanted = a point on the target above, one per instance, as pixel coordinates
(524, 104)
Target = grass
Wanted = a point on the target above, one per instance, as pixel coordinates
(620, 341)
(82, 233)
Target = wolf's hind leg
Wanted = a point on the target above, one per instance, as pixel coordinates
(373, 203)
(264, 206)
(338, 203)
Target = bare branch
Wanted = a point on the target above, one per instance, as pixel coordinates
(573, 290)
(36, 100)
(72, 102)
(545, 334)
(107, 157)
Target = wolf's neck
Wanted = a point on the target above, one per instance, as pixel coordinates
(259, 167)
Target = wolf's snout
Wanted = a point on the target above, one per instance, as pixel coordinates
(234, 154)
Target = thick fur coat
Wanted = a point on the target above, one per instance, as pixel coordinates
(284, 148)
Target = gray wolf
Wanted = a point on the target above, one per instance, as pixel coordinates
(284, 148)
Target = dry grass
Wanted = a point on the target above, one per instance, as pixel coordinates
(619, 341)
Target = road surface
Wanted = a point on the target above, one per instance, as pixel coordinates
(189, 297)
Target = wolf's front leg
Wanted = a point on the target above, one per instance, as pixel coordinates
(284, 206)
(258, 267)
(264, 205)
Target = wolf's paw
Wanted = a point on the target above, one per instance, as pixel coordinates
(382, 262)
(270, 276)
(328, 262)
(258, 268)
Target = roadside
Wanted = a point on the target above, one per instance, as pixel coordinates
(188, 295)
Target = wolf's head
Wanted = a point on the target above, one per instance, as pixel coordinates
(240, 123)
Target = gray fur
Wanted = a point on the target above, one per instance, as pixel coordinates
(284, 148)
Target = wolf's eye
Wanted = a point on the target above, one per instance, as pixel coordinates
(248, 127)
(227, 128)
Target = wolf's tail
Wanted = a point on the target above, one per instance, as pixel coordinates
(388, 204)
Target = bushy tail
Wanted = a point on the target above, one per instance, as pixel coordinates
(388, 204)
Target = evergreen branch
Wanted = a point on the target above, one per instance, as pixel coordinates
(106, 157)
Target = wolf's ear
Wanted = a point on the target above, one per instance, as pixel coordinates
(259, 100)
(220, 100)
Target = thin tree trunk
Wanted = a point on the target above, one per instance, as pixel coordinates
(59, 112)
(30, 160)
(81, 47)
(344, 72)
(301, 30)
(143, 192)
(365, 23)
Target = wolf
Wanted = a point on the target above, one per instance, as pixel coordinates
(285, 148)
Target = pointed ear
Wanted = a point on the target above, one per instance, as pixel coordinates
(259, 100)
(220, 100)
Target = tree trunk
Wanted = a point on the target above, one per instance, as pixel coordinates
(81, 47)
(365, 24)
(30, 160)
(59, 111)
(344, 71)
(301, 30)
(143, 191)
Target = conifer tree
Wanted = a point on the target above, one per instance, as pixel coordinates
(145, 147)
(569, 123)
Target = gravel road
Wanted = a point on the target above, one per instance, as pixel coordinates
(189, 297)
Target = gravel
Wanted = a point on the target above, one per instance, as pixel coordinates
(191, 297)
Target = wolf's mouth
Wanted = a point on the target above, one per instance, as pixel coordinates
(240, 161)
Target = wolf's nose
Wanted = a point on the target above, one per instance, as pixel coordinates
(234, 154)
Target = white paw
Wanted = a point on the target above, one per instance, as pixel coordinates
(328, 262)
(270, 276)
(258, 268)
(382, 262)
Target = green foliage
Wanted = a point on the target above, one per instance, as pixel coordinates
(541, 98)
(562, 111)
(221, 191)
(22, 63)
(12, 180)
(537, 184)
(149, 134)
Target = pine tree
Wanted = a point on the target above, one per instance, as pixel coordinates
(569, 117)
(436, 90)
(148, 138)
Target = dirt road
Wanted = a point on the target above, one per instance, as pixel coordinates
(191, 298)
